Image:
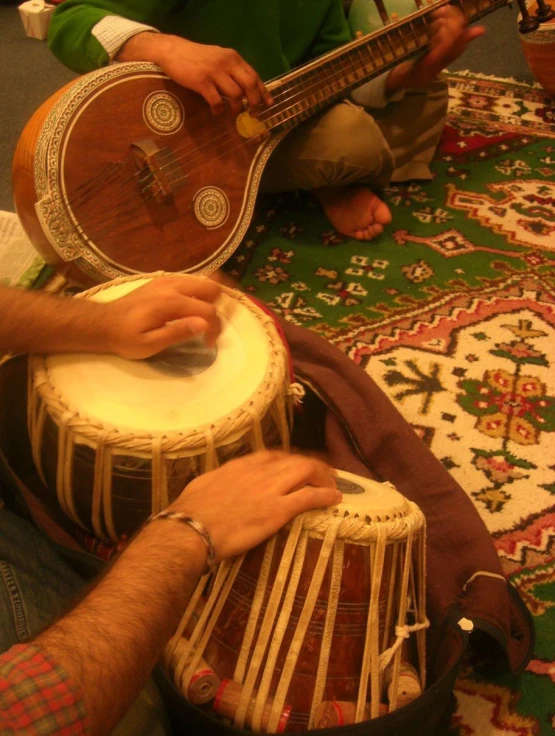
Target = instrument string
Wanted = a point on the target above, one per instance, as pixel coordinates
(324, 82)
(198, 154)
(176, 161)
(303, 84)
(173, 162)
(325, 85)
(300, 89)
(294, 89)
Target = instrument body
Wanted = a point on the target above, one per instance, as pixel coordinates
(119, 187)
(126, 172)
(115, 440)
(318, 613)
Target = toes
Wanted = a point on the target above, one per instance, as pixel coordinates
(366, 234)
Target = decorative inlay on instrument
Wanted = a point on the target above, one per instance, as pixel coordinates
(123, 171)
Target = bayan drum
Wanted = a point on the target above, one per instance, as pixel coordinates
(115, 440)
(322, 625)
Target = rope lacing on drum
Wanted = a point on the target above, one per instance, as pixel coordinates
(76, 428)
(392, 545)
(401, 633)
(358, 529)
(296, 392)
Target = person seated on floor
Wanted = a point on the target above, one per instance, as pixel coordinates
(83, 672)
(387, 132)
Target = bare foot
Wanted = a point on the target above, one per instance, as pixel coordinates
(354, 211)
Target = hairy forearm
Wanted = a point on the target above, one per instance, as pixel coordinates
(35, 322)
(111, 641)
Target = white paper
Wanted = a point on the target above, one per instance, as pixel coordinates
(20, 263)
(35, 16)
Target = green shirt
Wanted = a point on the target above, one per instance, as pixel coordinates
(271, 35)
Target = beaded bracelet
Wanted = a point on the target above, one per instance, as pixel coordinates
(197, 526)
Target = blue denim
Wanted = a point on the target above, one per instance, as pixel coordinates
(37, 584)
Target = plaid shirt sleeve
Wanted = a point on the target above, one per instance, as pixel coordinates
(37, 696)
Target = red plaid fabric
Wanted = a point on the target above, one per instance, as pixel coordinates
(37, 696)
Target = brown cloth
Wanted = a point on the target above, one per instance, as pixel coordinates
(365, 434)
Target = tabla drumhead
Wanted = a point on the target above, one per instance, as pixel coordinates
(155, 395)
(368, 498)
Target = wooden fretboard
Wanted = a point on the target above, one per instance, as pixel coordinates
(314, 86)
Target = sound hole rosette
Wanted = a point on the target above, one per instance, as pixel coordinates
(211, 207)
(332, 609)
(115, 440)
(163, 113)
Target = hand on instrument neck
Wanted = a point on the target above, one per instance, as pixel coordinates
(450, 37)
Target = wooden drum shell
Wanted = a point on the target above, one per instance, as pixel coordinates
(349, 632)
(108, 478)
(318, 613)
(131, 481)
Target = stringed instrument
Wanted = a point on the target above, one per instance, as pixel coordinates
(123, 171)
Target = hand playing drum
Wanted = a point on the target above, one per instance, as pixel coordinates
(116, 439)
(311, 628)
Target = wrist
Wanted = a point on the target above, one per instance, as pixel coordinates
(167, 49)
(144, 46)
(92, 321)
(179, 542)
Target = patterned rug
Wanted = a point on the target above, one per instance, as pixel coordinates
(452, 313)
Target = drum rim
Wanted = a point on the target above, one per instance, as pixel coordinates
(274, 385)
(356, 529)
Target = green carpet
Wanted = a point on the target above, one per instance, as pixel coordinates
(452, 313)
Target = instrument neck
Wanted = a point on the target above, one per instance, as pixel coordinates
(318, 84)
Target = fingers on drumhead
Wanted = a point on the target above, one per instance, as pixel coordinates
(313, 497)
(297, 464)
(299, 470)
(198, 287)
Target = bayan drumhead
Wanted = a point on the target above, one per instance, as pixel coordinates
(154, 395)
(368, 498)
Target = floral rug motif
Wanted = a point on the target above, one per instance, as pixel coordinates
(452, 312)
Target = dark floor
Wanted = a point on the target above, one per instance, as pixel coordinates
(30, 74)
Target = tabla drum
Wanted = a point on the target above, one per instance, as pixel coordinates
(115, 440)
(322, 625)
(539, 51)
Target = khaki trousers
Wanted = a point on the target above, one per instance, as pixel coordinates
(348, 144)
